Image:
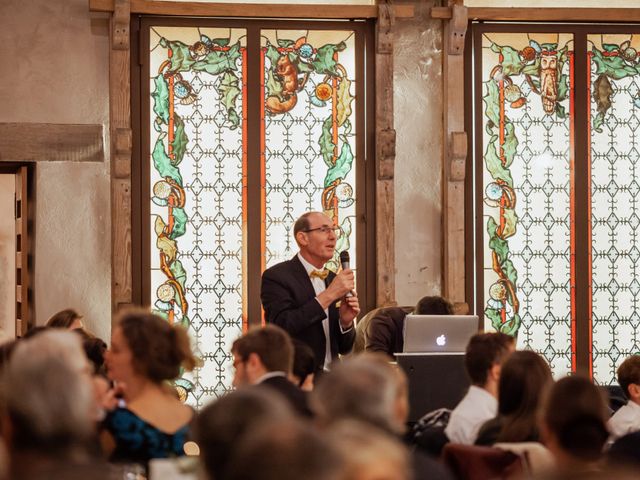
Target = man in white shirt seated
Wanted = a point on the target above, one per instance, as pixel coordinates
(627, 418)
(485, 354)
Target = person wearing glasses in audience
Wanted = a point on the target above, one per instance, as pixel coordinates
(311, 303)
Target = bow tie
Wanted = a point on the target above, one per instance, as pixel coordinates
(321, 274)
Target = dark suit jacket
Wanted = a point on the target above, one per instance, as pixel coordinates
(289, 301)
(384, 331)
(296, 397)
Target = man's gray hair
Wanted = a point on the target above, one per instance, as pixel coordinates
(365, 387)
(47, 391)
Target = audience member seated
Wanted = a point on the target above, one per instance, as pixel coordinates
(384, 332)
(369, 454)
(290, 450)
(363, 325)
(69, 319)
(483, 361)
(627, 418)
(6, 350)
(573, 425)
(264, 357)
(221, 425)
(303, 373)
(367, 388)
(524, 378)
(149, 421)
(48, 410)
(94, 348)
(625, 451)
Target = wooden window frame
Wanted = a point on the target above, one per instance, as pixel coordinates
(581, 321)
(24, 214)
(365, 204)
(125, 209)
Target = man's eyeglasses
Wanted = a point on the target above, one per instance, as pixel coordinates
(325, 229)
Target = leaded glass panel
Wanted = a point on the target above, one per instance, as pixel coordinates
(308, 136)
(527, 190)
(614, 109)
(197, 125)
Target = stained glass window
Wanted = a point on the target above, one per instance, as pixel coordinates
(200, 202)
(527, 159)
(197, 130)
(309, 134)
(533, 145)
(614, 117)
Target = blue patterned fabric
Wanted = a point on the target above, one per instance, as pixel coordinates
(138, 442)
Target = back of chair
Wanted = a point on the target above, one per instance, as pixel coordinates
(470, 462)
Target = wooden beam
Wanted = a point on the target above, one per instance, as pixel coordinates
(45, 142)
(443, 13)
(453, 234)
(120, 128)
(615, 15)
(263, 10)
(385, 159)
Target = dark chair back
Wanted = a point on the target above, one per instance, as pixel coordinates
(470, 462)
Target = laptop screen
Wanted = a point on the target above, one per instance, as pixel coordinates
(438, 333)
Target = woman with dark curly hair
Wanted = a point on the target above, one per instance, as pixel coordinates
(149, 421)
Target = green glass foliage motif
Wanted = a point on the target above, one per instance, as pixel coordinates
(613, 62)
(309, 80)
(217, 58)
(541, 65)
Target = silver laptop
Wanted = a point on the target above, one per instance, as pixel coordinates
(438, 333)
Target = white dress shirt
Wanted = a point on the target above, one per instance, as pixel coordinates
(319, 287)
(625, 420)
(474, 409)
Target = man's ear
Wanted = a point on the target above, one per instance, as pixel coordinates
(301, 239)
(494, 372)
(634, 392)
(254, 361)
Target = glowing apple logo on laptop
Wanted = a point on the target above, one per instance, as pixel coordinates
(441, 341)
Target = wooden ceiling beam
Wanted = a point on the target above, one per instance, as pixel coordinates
(50, 142)
(615, 15)
(262, 10)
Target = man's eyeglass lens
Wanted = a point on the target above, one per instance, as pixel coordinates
(325, 230)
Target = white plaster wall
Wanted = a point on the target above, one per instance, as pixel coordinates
(7, 258)
(55, 70)
(418, 123)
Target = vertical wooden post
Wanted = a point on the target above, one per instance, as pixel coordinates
(385, 158)
(120, 130)
(455, 153)
(23, 248)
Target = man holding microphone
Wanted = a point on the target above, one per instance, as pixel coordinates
(300, 295)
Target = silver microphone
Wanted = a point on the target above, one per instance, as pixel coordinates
(344, 261)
